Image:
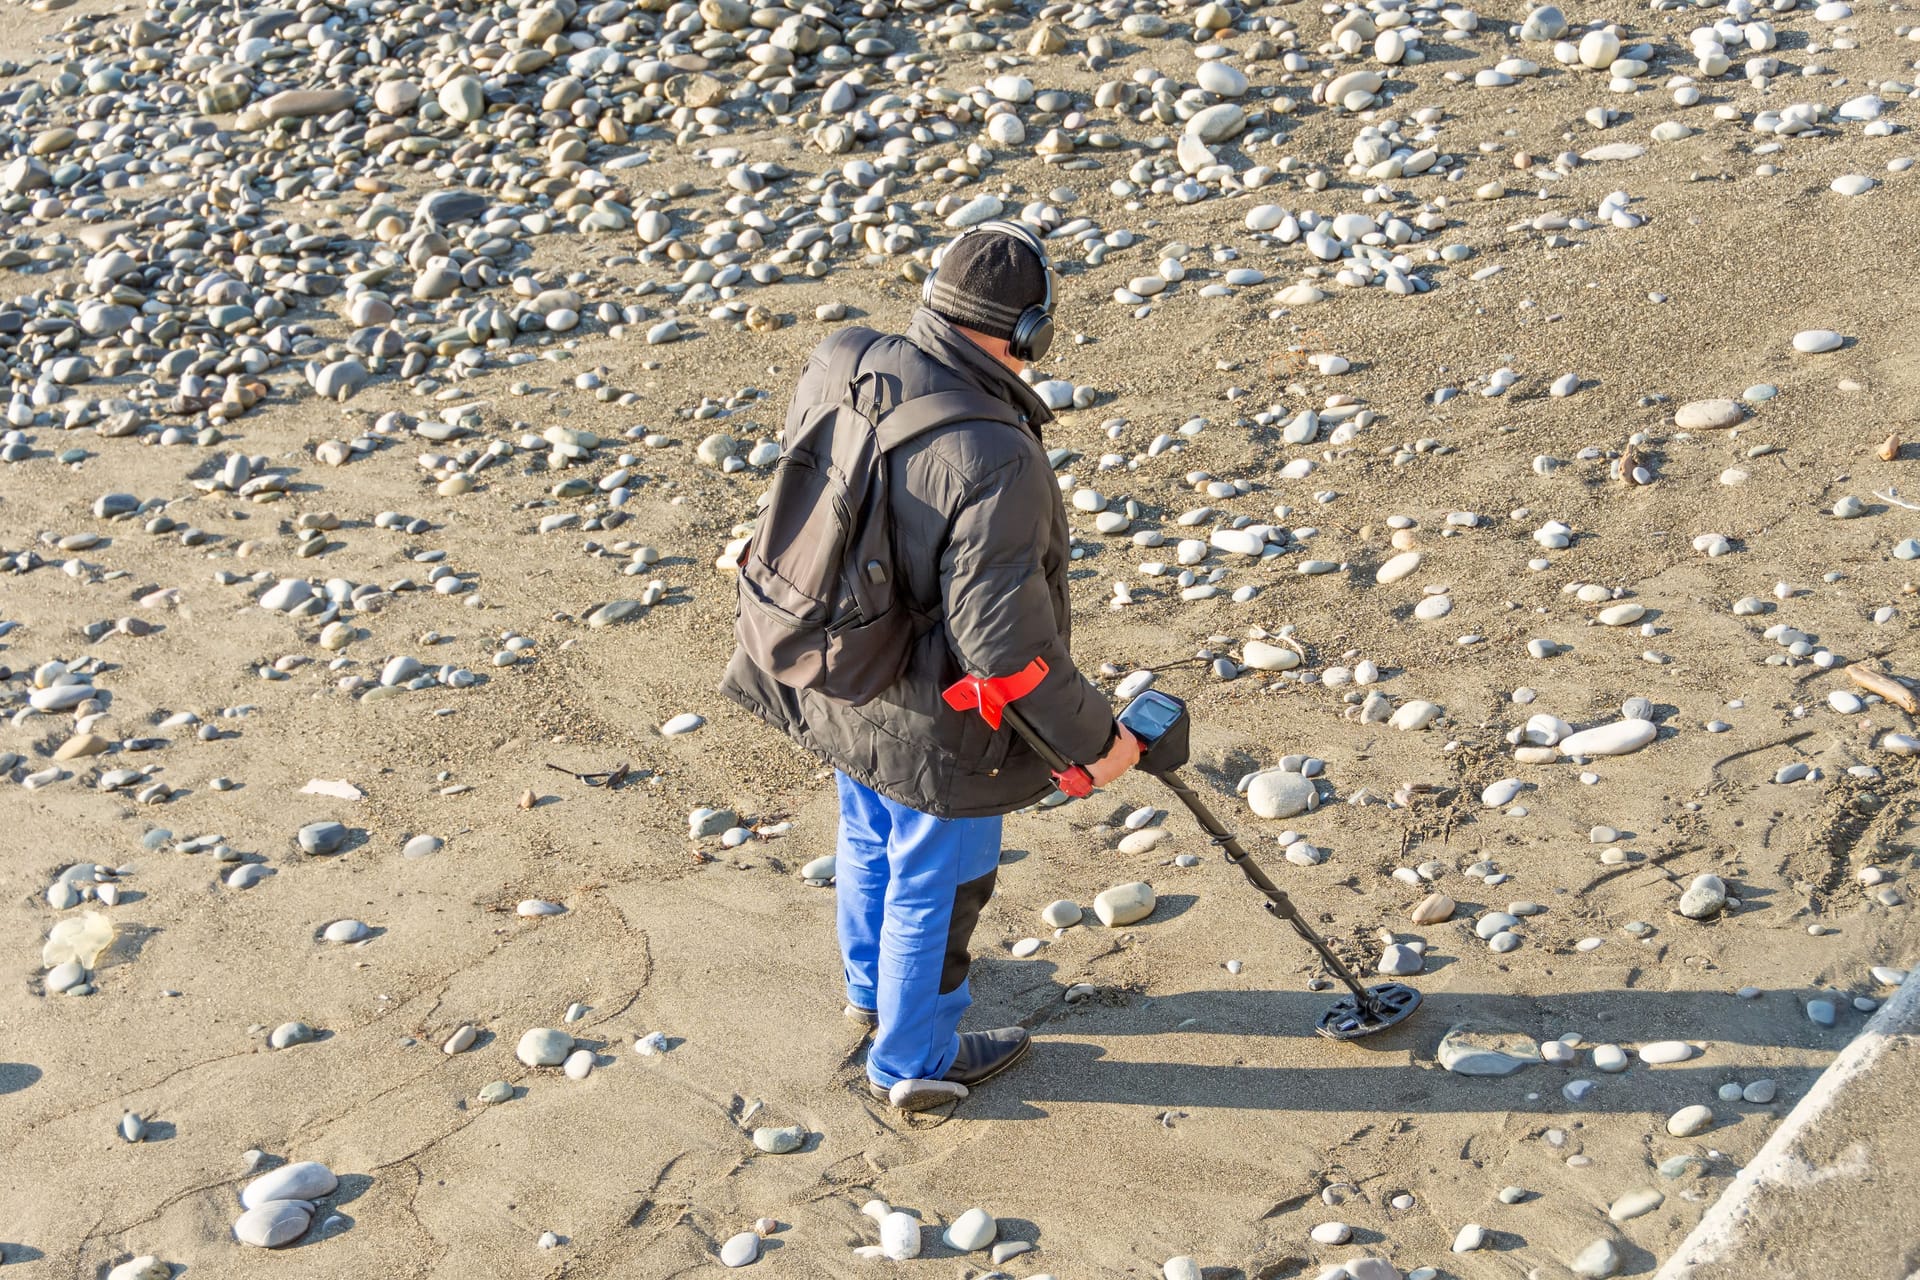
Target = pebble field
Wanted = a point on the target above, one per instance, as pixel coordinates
(1494, 421)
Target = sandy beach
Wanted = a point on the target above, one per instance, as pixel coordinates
(1173, 1106)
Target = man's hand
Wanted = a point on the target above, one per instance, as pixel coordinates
(1122, 756)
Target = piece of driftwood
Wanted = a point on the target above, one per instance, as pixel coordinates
(1887, 687)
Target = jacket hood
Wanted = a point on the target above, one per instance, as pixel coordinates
(941, 339)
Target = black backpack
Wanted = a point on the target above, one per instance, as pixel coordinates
(819, 607)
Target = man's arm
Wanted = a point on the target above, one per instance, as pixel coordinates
(999, 611)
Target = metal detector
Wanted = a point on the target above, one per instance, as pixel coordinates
(1160, 721)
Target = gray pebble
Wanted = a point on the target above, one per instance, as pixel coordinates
(779, 1141)
(544, 1047)
(740, 1250)
(288, 1034)
(273, 1224)
(322, 837)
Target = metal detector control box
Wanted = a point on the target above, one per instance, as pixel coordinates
(1159, 720)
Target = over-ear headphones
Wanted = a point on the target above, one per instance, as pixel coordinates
(1033, 331)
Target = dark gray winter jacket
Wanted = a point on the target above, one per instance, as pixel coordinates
(980, 535)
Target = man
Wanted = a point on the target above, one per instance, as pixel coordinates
(981, 549)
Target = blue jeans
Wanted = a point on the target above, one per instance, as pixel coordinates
(909, 888)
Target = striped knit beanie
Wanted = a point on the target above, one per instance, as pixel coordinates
(986, 280)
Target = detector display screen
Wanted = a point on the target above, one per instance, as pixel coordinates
(1151, 714)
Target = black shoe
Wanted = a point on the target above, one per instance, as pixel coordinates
(870, 1018)
(983, 1055)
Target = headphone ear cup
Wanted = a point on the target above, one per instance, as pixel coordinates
(926, 289)
(1032, 335)
(1017, 340)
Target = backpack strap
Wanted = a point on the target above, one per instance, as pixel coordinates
(847, 349)
(921, 414)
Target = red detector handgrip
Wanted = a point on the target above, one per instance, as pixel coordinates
(991, 696)
(1076, 782)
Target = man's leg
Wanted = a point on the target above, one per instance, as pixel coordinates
(860, 887)
(942, 873)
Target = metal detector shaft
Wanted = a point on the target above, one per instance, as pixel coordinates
(1278, 903)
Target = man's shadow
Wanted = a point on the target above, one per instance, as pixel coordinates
(1093, 1050)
